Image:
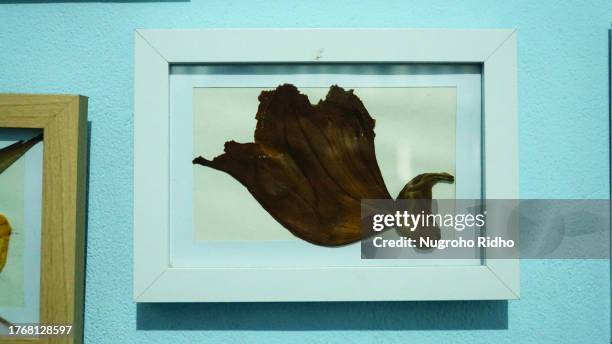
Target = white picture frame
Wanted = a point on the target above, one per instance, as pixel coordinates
(155, 280)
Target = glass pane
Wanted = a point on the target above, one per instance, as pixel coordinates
(21, 152)
(428, 119)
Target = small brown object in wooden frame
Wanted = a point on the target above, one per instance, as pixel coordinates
(63, 120)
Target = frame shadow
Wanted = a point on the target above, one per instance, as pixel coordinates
(323, 316)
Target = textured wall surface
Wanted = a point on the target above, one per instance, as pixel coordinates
(87, 47)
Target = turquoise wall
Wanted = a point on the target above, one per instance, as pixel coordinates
(87, 47)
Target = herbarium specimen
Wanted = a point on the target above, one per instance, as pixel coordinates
(5, 235)
(310, 166)
(8, 156)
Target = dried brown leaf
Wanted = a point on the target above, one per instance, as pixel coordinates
(311, 165)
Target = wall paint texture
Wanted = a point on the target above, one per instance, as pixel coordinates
(87, 47)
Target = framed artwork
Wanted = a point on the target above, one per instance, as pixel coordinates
(254, 148)
(43, 154)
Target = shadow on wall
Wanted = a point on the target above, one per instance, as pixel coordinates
(322, 316)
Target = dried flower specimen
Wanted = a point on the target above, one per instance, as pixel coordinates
(12, 153)
(5, 235)
(311, 165)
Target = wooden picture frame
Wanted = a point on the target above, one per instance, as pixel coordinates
(63, 119)
(156, 51)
